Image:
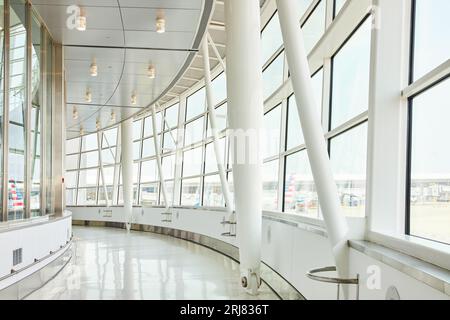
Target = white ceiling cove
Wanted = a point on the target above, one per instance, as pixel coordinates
(121, 38)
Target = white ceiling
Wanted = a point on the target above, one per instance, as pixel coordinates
(123, 71)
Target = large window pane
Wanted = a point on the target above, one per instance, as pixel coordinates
(192, 162)
(195, 104)
(272, 134)
(148, 147)
(314, 27)
(351, 70)
(17, 110)
(210, 156)
(72, 162)
(190, 192)
(219, 88)
(212, 194)
(273, 76)
(171, 116)
(430, 164)
(149, 194)
(109, 138)
(431, 45)
(271, 38)
(270, 185)
(299, 191)
(73, 145)
(89, 159)
(148, 171)
(294, 130)
(168, 167)
(87, 197)
(221, 119)
(88, 178)
(90, 142)
(194, 131)
(348, 153)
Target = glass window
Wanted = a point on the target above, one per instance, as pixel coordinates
(271, 38)
(90, 142)
(169, 191)
(210, 156)
(73, 145)
(190, 192)
(108, 156)
(148, 147)
(195, 104)
(314, 27)
(351, 70)
(272, 127)
(299, 190)
(148, 125)
(169, 143)
(149, 194)
(273, 76)
(101, 195)
(17, 110)
(137, 150)
(304, 5)
(109, 138)
(70, 179)
(89, 159)
(137, 130)
(338, 4)
(219, 89)
(171, 116)
(430, 164)
(431, 29)
(221, 119)
(348, 153)
(294, 130)
(88, 178)
(168, 167)
(192, 162)
(109, 176)
(71, 197)
(87, 197)
(148, 171)
(212, 194)
(193, 132)
(270, 185)
(72, 162)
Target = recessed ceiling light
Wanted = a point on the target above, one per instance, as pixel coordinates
(94, 69)
(160, 24)
(113, 116)
(81, 131)
(97, 124)
(81, 21)
(133, 98)
(75, 113)
(88, 96)
(151, 72)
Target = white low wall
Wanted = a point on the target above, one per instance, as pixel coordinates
(37, 239)
(288, 249)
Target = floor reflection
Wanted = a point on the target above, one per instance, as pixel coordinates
(111, 264)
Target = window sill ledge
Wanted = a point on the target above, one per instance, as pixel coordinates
(430, 274)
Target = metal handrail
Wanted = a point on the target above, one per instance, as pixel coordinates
(312, 274)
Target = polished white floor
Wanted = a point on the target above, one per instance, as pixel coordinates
(108, 263)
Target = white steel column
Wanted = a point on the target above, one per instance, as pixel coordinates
(127, 169)
(158, 159)
(213, 122)
(115, 195)
(245, 108)
(312, 130)
(102, 171)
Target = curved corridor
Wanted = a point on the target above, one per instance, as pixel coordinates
(111, 264)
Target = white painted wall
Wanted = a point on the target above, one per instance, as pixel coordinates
(289, 250)
(36, 241)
